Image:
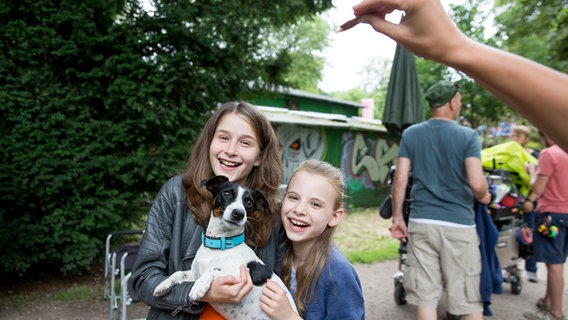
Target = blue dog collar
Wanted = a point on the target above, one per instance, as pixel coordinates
(222, 242)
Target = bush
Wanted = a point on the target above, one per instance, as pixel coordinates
(100, 104)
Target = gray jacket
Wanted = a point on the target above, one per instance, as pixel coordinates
(169, 244)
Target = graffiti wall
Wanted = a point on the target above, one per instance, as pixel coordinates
(366, 161)
(299, 144)
(365, 157)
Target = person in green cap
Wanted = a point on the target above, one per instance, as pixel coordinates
(442, 240)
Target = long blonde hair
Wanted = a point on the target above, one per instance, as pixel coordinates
(307, 275)
(265, 177)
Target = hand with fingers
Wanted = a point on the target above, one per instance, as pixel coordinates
(275, 303)
(426, 30)
(525, 86)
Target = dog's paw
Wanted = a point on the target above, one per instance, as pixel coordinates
(162, 289)
(197, 292)
(200, 287)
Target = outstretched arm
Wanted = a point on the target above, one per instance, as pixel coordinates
(536, 92)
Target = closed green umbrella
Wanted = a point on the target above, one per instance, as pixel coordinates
(404, 105)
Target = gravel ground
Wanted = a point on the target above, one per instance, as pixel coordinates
(378, 288)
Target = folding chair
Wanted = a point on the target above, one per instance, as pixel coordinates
(118, 266)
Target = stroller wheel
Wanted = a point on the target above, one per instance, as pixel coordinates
(516, 285)
(399, 292)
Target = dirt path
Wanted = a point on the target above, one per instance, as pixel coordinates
(378, 289)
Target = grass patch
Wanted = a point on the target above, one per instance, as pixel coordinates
(75, 294)
(389, 251)
(52, 292)
(363, 236)
(19, 300)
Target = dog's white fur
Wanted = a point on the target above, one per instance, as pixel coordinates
(211, 263)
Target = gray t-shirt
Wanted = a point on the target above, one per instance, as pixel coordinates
(437, 150)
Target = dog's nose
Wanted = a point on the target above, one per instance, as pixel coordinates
(238, 214)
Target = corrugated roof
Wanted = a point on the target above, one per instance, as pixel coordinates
(301, 93)
(310, 118)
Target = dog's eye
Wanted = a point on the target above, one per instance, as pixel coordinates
(226, 194)
(249, 204)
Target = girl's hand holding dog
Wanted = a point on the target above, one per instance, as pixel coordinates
(229, 288)
(275, 303)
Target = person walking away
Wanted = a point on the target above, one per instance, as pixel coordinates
(550, 188)
(443, 244)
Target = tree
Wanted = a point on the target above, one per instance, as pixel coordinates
(101, 101)
(479, 106)
(535, 29)
(301, 47)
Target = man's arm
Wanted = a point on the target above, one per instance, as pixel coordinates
(400, 182)
(477, 181)
(537, 188)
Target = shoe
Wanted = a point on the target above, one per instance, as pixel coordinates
(541, 316)
(542, 305)
(532, 277)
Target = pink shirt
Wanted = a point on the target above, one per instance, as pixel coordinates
(553, 163)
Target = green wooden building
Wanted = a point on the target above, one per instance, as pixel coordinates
(320, 127)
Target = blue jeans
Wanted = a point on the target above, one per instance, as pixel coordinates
(528, 218)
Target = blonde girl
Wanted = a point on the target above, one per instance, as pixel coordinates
(324, 284)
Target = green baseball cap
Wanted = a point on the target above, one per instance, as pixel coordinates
(440, 93)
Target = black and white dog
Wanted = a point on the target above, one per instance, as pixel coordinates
(224, 250)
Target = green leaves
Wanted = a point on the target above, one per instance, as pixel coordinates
(536, 30)
(101, 102)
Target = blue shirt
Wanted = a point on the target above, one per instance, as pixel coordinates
(338, 293)
(437, 150)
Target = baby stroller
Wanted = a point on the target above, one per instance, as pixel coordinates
(119, 261)
(515, 240)
(386, 213)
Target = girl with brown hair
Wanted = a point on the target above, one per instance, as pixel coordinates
(239, 143)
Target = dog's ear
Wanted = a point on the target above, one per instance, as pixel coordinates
(261, 203)
(214, 182)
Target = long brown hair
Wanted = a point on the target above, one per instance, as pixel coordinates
(307, 275)
(265, 177)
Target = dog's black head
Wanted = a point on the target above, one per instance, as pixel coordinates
(233, 202)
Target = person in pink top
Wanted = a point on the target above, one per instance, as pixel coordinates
(550, 187)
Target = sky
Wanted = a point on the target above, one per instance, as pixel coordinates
(351, 50)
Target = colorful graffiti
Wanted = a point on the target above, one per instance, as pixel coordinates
(299, 144)
(366, 161)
